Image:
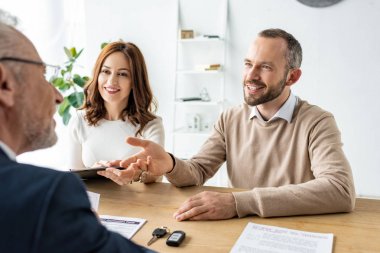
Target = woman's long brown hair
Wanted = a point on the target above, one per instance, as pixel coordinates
(141, 104)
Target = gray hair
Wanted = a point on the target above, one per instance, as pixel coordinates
(294, 52)
(7, 18)
(7, 33)
(10, 39)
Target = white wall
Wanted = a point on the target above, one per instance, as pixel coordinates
(152, 26)
(341, 50)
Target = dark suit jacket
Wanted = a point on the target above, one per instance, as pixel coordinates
(43, 210)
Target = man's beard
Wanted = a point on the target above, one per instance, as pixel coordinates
(270, 95)
(35, 135)
(39, 138)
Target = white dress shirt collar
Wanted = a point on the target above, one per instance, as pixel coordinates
(285, 112)
(9, 152)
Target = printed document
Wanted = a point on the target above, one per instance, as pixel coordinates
(125, 226)
(94, 199)
(269, 239)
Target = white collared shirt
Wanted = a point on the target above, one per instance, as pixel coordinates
(285, 112)
(9, 152)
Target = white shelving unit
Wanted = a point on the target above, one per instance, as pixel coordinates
(193, 120)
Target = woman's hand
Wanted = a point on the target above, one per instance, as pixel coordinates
(136, 172)
(100, 163)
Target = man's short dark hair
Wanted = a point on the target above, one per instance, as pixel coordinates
(294, 52)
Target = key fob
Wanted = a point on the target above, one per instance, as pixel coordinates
(176, 238)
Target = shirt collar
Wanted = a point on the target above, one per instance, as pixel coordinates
(285, 112)
(9, 152)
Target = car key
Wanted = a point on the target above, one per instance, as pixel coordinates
(176, 238)
(158, 233)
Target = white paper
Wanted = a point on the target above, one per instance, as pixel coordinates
(94, 199)
(269, 239)
(125, 226)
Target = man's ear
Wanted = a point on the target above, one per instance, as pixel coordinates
(293, 76)
(7, 88)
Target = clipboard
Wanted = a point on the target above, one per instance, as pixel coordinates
(91, 173)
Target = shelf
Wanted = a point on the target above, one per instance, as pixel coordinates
(184, 131)
(193, 71)
(211, 103)
(200, 39)
(195, 55)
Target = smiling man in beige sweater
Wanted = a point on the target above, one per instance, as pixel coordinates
(287, 152)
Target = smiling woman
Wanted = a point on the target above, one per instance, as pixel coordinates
(118, 103)
(114, 84)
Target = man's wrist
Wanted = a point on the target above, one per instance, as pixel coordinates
(173, 160)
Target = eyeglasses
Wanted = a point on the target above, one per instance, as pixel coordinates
(51, 71)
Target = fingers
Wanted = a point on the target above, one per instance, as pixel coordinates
(207, 206)
(137, 142)
(141, 164)
(121, 177)
(141, 170)
(190, 214)
(100, 163)
(192, 207)
(96, 165)
(140, 155)
(149, 160)
(111, 176)
(135, 172)
(132, 159)
(114, 163)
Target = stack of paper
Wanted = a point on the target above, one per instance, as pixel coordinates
(125, 226)
(270, 239)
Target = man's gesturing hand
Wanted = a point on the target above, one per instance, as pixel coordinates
(160, 162)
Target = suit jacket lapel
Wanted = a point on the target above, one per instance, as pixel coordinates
(3, 156)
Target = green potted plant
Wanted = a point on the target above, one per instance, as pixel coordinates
(70, 84)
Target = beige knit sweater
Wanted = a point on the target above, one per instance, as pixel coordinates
(288, 168)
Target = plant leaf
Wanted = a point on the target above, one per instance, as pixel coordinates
(68, 53)
(68, 81)
(66, 117)
(58, 83)
(69, 67)
(78, 54)
(63, 107)
(73, 52)
(76, 99)
(103, 45)
(66, 86)
(61, 84)
(63, 72)
(80, 81)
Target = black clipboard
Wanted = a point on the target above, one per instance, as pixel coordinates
(91, 173)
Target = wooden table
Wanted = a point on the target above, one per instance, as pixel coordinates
(356, 232)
